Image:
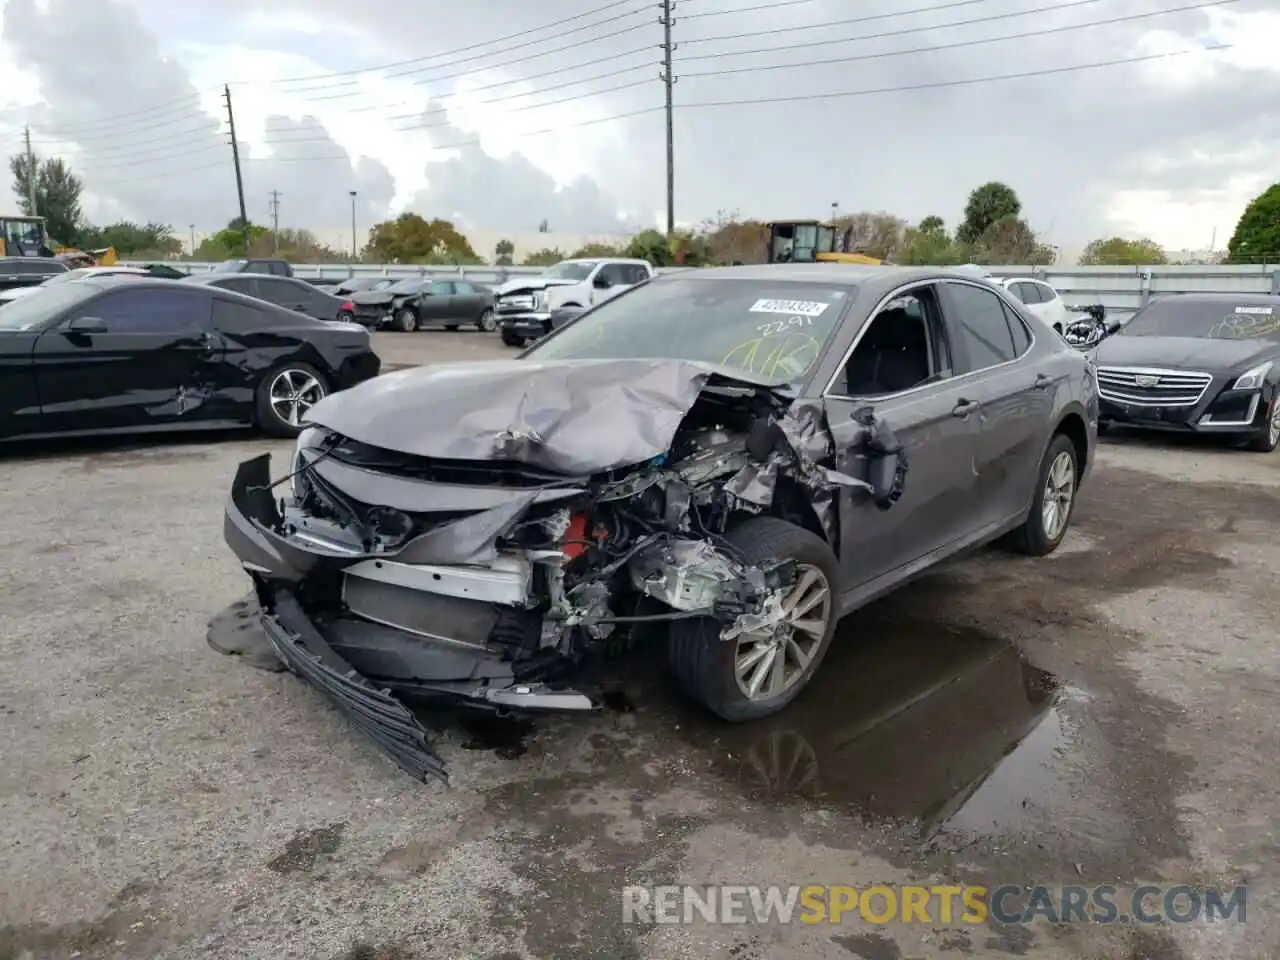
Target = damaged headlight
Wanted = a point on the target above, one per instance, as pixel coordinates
(308, 439)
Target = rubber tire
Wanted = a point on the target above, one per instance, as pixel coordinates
(1030, 538)
(452, 326)
(511, 339)
(1262, 443)
(703, 664)
(268, 422)
(486, 322)
(405, 321)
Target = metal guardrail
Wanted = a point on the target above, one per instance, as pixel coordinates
(1122, 290)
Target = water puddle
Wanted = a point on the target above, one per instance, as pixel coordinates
(938, 727)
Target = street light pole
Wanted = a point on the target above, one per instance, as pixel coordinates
(353, 226)
(193, 241)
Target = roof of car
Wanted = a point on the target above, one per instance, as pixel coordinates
(837, 273)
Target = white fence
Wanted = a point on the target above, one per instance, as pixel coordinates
(1122, 290)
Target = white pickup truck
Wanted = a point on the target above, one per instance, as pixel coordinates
(523, 305)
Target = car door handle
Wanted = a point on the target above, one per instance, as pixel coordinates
(964, 408)
(1042, 381)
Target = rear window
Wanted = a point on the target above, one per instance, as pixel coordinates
(769, 330)
(1210, 319)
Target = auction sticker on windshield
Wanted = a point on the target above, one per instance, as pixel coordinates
(1260, 311)
(804, 308)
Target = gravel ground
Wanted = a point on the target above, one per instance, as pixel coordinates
(160, 800)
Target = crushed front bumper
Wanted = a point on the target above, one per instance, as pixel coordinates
(357, 662)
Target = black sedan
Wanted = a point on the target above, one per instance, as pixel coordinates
(297, 295)
(416, 303)
(144, 356)
(1202, 363)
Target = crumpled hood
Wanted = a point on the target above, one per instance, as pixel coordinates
(533, 283)
(1182, 353)
(574, 417)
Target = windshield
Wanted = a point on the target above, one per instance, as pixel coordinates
(770, 330)
(406, 286)
(576, 270)
(35, 309)
(1213, 319)
(230, 266)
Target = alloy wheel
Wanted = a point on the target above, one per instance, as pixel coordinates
(1273, 431)
(293, 393)
(485, 322)
(771, 661)
(1059, 492)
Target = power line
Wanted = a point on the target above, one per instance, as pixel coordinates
(883, 54)
(843, 94)
(470, 46)
(971, 81)
(382, 71)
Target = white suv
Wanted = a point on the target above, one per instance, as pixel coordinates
(1041, 299)
(524, 304)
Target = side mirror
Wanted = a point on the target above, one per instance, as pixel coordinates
(87, 325)
(1110, 327)
(601, 282)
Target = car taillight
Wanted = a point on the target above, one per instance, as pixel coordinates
(349, 307)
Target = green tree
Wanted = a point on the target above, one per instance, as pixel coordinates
(410, 238)
(652, 246)
(929, 244)
(988, 204)
(876, 235)
(1257, 236)
(502, 253)
(595, 250)
(57, 192)
(1010, 240)
(733, 240)
(129, 238)
(543, 258)
(229, 241)
(1119, 252)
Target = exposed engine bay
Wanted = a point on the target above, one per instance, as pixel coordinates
(497, 580)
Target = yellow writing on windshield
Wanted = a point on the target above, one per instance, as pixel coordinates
(776, 358)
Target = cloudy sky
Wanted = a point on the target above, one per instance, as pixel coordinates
(499, 114)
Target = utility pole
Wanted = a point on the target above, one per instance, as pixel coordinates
(193, 241)
(355, 254)
(31, 177)
(235, 156)
(668, 81)
(275, 222)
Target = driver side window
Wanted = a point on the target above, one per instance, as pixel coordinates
(152, 311)
(902, 347)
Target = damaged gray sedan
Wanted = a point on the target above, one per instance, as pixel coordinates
(724, 460)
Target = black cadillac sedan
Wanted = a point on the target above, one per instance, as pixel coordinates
(1203, 363)
(143, 356)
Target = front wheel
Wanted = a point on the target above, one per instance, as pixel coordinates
(1269, 439)
(1050, 514)
(512, 339)
(284, 397)
(486, 322)
(758, 674)
(406, 321)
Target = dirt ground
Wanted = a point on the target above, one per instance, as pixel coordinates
(1106, 715)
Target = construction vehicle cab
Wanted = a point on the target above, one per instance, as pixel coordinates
(811, 241)
(24, 237)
